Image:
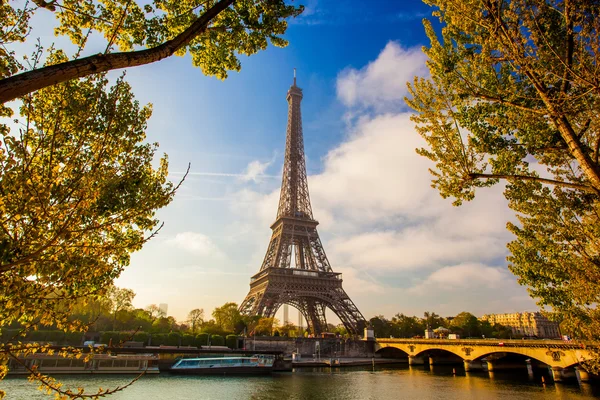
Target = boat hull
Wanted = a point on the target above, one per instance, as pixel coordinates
(223, 371)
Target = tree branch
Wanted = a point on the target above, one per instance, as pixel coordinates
(27, 82)
(569, 48)
(509, 103)
(578, 186)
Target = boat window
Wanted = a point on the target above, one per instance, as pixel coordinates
(63, 362)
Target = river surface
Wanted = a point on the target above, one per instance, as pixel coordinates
(339, 384)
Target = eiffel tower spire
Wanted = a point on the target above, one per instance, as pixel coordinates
(295, 269)
(294, 200)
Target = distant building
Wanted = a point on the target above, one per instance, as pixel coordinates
(163, 307)
(286, 319)
(526, 324)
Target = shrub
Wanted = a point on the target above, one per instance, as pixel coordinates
(217, 340)
(74, 338)
(201, 339)
(125, 337)
(173, 339)
(141, 337)
(55, 336)
(188, 340)
(158, 339)
(231, 341)
(109, 337)
(9, 334)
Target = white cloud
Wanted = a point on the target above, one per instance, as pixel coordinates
(382, 82)
(382, 224)
(416, 247)
(195, 243)
(462, 276)
(357, 281)
(255, 170)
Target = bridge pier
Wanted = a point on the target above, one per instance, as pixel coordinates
(490, 365)
(529, 369)
(414, 360)
(449, 359)
(582, 374)
(472, 365)
(557, 374)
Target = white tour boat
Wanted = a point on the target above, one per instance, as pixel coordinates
(256, 364)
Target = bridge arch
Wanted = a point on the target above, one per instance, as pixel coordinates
(438, 350)
(498, 355)
(392, 352)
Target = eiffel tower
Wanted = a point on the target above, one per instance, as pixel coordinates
(295, 270)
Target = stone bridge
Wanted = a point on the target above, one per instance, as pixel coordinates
(558, 355)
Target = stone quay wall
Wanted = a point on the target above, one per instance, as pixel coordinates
(306, 347)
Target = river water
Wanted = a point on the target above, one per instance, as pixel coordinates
(339, 384)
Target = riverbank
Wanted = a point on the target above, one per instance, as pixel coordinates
(345, 362)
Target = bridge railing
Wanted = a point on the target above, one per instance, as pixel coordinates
(495, 342)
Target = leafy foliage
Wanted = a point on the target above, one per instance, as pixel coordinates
(195, 318)
(78, 194)
(213, 32)
(513, 95)
(227, 316)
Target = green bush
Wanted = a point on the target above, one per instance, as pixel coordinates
(173, 339)
(201, 339)
(9, 334)
(187, 339)
(231, 341)
(217, 340)
(141, 337)
(109, 337)
(36, 336)
(125, 337)
(55, 336)
(159, 339)
(74, 338)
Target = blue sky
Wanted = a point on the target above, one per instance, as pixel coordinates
(400, 247)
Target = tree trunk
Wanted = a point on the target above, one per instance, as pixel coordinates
(27, 82)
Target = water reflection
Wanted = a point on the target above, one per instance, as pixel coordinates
(405, 382)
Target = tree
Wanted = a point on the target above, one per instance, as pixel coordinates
(78, 194)
(432, 320)
(466, 324)
(227, 316)
(289, 330)
(119, 300)
(381, 326)
(195, 318)
(403, 326)
(164, 325)
(90, 309)
(154, 312)
(513, 96)
(213, 32)
(265, 326)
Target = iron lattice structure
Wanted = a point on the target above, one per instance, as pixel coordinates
(295, 270)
